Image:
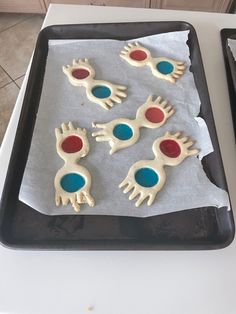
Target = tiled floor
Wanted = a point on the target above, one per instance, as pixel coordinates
(18, 34)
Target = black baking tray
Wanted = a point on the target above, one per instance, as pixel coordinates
(230, 67)
(23, 227)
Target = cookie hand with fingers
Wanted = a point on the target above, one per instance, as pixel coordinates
(167, 69)
(72, 184)
(80, 73)
(154, 112)
(135, 54)
(119, 133)
(145, 178)
(172, 149)
(72, 143)
(105, 93)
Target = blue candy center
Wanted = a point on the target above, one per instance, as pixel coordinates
(101, 91)
(165, 67)
(146, 177)
(122, 132)
(72, 182)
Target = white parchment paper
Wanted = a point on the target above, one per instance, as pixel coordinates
(232, 45)
(187, 185)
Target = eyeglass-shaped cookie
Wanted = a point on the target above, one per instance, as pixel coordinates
(121, 133)
(162, 67)
(146, 177)
(104, 93)
(72, 182)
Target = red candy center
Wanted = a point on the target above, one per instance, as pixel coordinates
(170, 148)
(80, 73)
(154, 115)
(72, 144)
(138, 55)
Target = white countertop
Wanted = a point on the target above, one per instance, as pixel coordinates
(198, 282)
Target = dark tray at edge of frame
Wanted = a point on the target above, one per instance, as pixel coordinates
(230, 67)
(23, 227)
